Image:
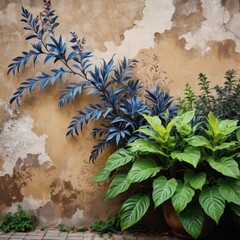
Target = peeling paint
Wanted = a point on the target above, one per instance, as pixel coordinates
(8, 16)
(157, 17)
(65, 197)
(28, 203)
(47, 214)
(218, 26)
(17, 140)
(10, 191)
(76, 219)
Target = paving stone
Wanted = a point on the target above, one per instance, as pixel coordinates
(53, 231)
(63, 234)
(75, 234)
(16, 238)
(52, 234)
(76, 238)
(36, 233)
(34, 237)
(88, 238)
(5, 235)
(55, 238)
(13, 238)
(88, 233)
(20, 234)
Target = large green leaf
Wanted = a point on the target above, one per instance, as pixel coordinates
(225, 165)
(212, 202)
(185, 130)
(183, 123)
(228, 126)
(119, 158)
(146, 146)
(185, 118)
(142, 170)
(156, 123)
(213, 125)
(190, 155)
(230, 190)
(133, 210)
(199, 141)
(163, 189)
(196, 180)
(238, 135)
(118, 185)
(148, 132)
(227, 145)
(170, 126)
(102, 175)
(182, 196)
(192, 219)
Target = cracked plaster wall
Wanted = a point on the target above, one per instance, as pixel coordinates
(173, 41)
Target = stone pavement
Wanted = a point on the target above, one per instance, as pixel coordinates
(53, 234)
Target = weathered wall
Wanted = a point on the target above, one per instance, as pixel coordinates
(173, 40)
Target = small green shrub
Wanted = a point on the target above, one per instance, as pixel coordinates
(19, 221)
(223, 100)
(111, 225)
(82, 229)
(63, 228)
(7, 222)
(43, 227)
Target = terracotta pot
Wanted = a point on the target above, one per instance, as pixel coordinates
(176, 226)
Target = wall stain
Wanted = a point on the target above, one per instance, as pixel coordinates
(232, 6)
(46, 214)
(225, 49)
(11, 186)
(187, 17)
(10, 190)
(8, 114)
(65, 197)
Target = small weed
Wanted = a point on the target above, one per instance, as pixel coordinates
(63, 228)
(19, 221)
(43, 227)
(110, 226)
(82, 229)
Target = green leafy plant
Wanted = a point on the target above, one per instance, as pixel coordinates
(43, 227)
(6, 224)
(63, 228)
(19, 221)
(81, 229)
(223, 100)
(111, 225)
(188, 102)
(198, 174)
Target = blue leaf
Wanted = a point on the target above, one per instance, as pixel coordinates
(49, 57)
(71, 56)
(70, 93)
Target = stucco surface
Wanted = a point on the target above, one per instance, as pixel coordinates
(173, 41)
